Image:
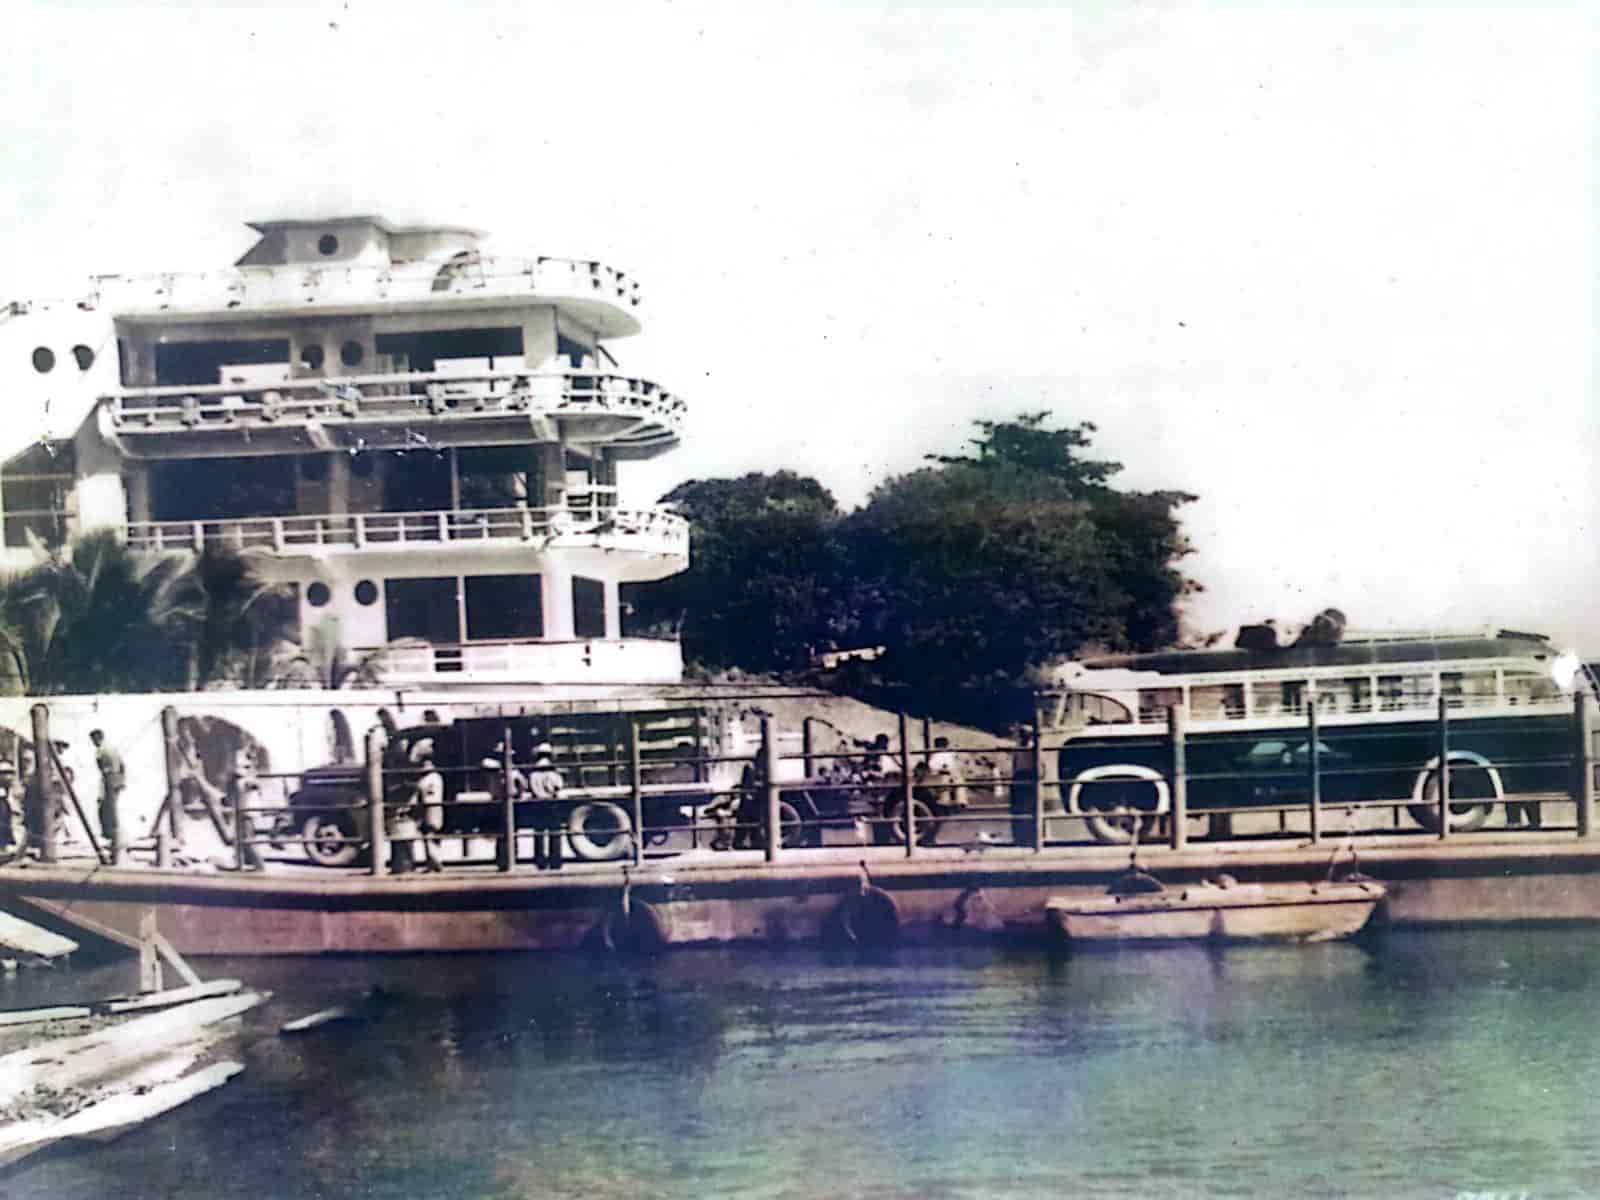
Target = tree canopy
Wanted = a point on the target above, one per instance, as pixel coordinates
(969, 572)
(764, 561)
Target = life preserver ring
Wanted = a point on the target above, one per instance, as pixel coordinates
(639, 929)
(870, 917)
(599, 831)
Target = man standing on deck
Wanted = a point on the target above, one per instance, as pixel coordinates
(1024, 788)
(113, 779)
(545, 784)
(14, 829)
(428, 800)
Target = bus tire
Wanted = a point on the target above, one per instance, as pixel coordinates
(1114, 823)
(868, 918)
(641, 930)
(599, 831)
(1475, 790)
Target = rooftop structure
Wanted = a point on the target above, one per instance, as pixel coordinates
(422, 438)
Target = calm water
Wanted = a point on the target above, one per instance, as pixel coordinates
(1432, 1065)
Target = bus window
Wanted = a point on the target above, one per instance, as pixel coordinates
(1294, 695)
(1103, 710)
(1350, 695)
(1154, 702)
(1404, 691)
(1273, 699)
(1217, 701)
(1530, 687)
(1467, 689)
(1094, 709)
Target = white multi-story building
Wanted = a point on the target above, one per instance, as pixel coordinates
(421, 438)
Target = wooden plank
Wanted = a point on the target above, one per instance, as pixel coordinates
(20, 935)
(324, 1016)
(68, 915)
(174, 959)
(74, 1061)
(149, 962)
(168, 998)
(29, 1016)
(112, 1117)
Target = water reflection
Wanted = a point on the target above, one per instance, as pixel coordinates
(1424, 1065)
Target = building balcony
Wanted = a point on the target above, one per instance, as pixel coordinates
(581, 661)
(585, 524)
(603, 298)
(630, 417)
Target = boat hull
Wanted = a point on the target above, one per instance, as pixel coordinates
(1252, 912)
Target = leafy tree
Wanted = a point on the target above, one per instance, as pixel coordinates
(973, 571)
(764, 560)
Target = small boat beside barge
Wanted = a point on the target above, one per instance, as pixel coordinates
(1139, 909)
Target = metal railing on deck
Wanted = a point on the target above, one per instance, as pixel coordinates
(899, 795)
(657, 530)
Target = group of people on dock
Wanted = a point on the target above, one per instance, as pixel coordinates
(28, 794)
(416, 826)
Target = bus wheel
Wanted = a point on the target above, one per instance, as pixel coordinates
(1116, 828)
(1474, 791)
(329, 839)
(599, 831)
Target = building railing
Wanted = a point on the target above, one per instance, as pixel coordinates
(303, 286)
(371, 411)
(587, 519)
(581, 660)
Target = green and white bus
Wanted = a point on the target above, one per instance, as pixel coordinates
(1507, 698)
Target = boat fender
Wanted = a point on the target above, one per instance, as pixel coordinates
(869, 917)
(638, 927)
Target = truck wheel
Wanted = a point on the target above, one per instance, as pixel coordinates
(927, 823)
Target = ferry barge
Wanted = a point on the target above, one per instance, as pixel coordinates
(420, 443)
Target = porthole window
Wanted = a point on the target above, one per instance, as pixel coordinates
(351, 354)
(83, 356)
(317, 595)
(44, 360)
(366, 592)
(312, 356)
(327, 245)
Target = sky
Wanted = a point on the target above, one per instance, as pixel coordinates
(1330, 267)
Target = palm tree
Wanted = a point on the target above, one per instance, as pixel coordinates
(96, 617)
(244, 624)
(93, 617)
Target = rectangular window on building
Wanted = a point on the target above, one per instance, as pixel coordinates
(221, 489)
(35, 491)
(422, 608)
(199, 364)
(504, 606)
(588, 608)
